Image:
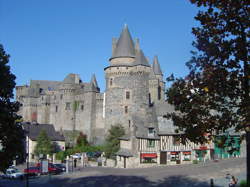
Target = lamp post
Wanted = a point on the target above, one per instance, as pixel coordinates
(27, 139)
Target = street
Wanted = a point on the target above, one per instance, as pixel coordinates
(175, 176)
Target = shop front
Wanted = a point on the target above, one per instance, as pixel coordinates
(148, 158)
(175, 157)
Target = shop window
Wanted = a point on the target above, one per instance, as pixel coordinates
(187, 156)
(150, 143)
(174, 156)
(148, 160)
(67, 106)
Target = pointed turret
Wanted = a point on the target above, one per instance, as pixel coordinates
(124, 46)
(156, 66)
(93, 81)
(140, 59)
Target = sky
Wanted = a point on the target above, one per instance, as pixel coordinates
(48, 39)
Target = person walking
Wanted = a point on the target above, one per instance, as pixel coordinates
(233, 182)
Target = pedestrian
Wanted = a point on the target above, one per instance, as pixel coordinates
(75, 163)
(233, 182)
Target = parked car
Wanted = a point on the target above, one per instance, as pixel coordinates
(61, 166)
(52, 169)
(76, 156)
(13, 173)
(32, 171)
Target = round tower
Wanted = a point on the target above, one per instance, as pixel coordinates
(127, 88)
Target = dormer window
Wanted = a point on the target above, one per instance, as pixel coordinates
(151, 131)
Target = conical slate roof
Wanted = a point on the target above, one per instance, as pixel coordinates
(156, 66)
(93, 81)
(125, 45)
(140, 59)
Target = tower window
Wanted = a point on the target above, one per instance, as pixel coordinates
(111, 82)
(61, 96)
(129, 123)
(127, 95)
(82, 107)
(159, 93)
(149, 99)
(126, 109)
(55, 97)
(56, 108)
(67, 106)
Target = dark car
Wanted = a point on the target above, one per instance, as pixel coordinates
(52, 168)
(32, 171)
(60, 166)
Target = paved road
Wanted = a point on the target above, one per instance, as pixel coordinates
(197, 175)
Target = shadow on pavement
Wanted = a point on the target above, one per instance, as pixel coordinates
(127, 181)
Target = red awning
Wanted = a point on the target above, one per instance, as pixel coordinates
(174, 153)
(187, 153)
(203, 147)
(148, 155)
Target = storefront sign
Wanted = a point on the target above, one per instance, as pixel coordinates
(148, 155)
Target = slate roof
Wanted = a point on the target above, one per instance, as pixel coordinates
(45, 84)
(124, 152)
(156, 66)
(125, 45)
(140, 59)
(72, 79)
(93, 81)
(33, 131)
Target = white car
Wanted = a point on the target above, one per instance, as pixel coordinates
(13, 173)
(76, 156)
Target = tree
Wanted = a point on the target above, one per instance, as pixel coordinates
(82, 140)
(44, 145)
(112, 140)
(11, 133)
(214, 96)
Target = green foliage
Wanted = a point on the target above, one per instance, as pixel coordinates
(214, 96)
(112, 141)
(243, 183)
(44, 145)
(11, 132)
(81, 140)
(75, 105)
(195, 161)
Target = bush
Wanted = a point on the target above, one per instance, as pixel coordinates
(195, 161)
(243, 183)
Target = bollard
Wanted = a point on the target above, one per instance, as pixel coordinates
(211, 182)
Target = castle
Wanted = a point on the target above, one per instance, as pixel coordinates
(134, 98)
(134, 90)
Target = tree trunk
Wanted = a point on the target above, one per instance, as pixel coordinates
(248, 157)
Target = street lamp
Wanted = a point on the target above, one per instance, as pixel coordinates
(27, 139)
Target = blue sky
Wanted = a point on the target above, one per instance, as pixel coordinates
(47, 39)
